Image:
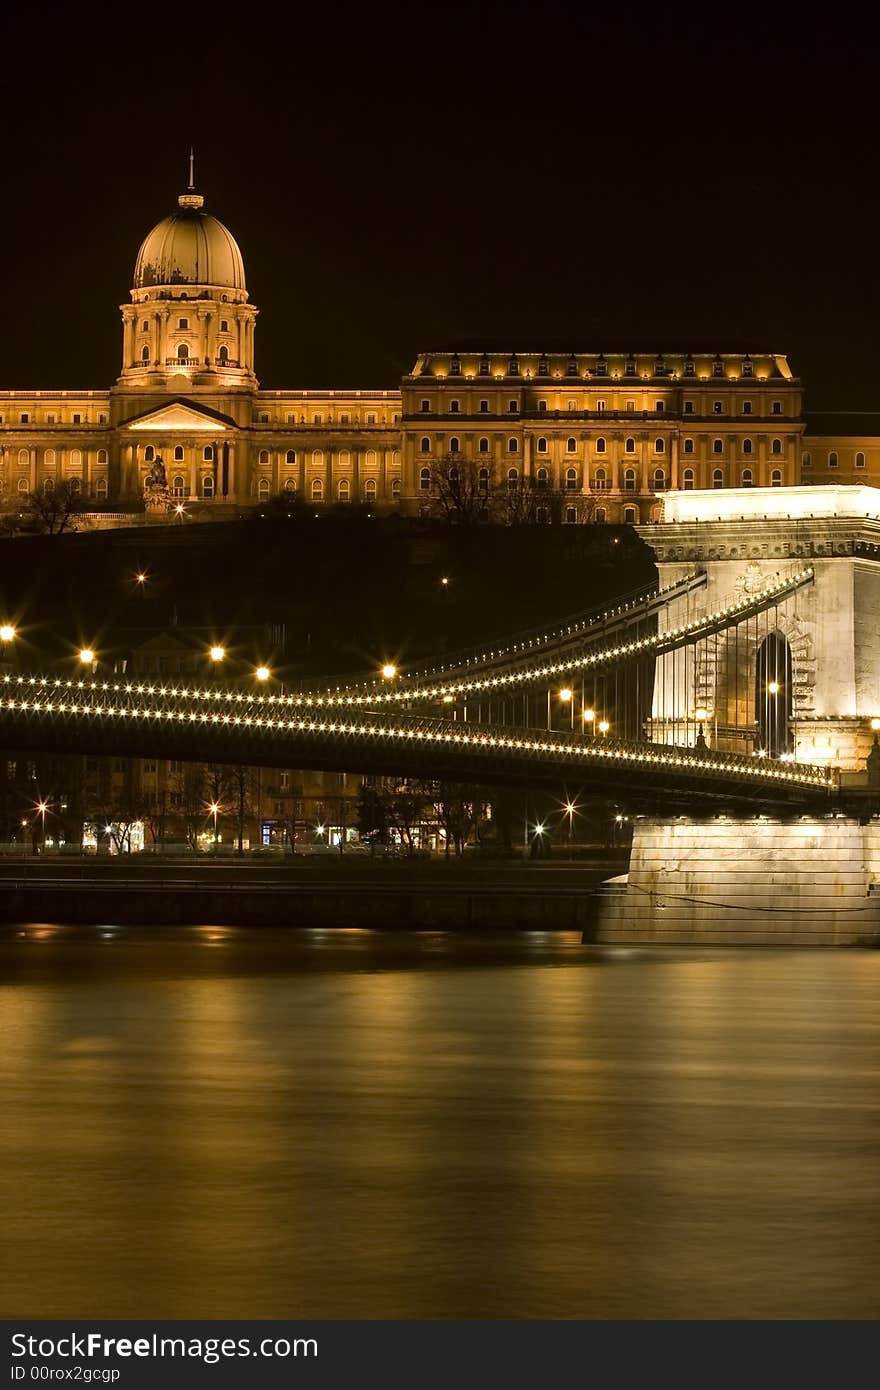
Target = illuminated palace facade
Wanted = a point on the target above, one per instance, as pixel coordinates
(605, 432)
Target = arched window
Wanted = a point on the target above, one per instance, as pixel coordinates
(145, 327)
(600, 514)
(659, 446)
(484, 480)
(223, 355)
(264, 456)
(747, 446)
(571, 515)
(76, 458)
(344, 458)
(102, 456)
(425, 480)
(290, 456)
(24, 458)
(290, 485)
(208, 453)
(542, 446)
(182, 353)
(629, 480)
(424, 445)
(455, 445)
(370, 490)
(512, 478)
(178, 486)
(600, 479)
(22, 484)
(178, 453)
(806, 461)
(773, 695)
(571, 446)
(688, 446)
(717, 446)
(571, 478)
(688, 479)
(145, 353)
(263, 489)
(149, 454)
(629, 446)
(776, 446)
(832, 459)
(49, 458)
(860, 460)
(207, 486)
(542, 516)
(483, 446)
(541, 479)
(776, 477)
(629, 515)
(659, 480)
(318, 458)
(454, 477)
(343, 490)
(101, 489)
(718, 478)
(317, 490)
(395, 489)
(746, 478)
(371, 458)
(49, 485)
(183, 324)
(513, 446)
(74, 485)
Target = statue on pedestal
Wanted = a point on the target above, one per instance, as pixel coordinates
(157, 495)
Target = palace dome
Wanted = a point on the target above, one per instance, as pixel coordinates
(189, 248)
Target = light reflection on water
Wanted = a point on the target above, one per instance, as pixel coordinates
(213, 1122)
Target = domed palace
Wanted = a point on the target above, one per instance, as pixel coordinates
(581, 436)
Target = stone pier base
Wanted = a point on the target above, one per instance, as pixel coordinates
(761, 881)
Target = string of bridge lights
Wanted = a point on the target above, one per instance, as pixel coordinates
(439, 732)
(561, 634)
(504, 683)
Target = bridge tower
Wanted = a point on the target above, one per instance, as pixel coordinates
(799, 681)
(802, 679)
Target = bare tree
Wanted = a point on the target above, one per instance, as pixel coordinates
(462, 490)
(58, 509)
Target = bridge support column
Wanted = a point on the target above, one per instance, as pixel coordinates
(761, 881)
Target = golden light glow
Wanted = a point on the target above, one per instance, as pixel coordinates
(42, 807)
(773, 688)
(141, 577)
(604, 726)
(217, 653)
(565, 694)
(180, 509)
(589, 716)
(214, 808)
(389, 671)
(263, 673)
(86, 656)
(875, 724)
(7, 632)
(701, 713)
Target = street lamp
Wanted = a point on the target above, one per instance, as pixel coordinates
(214, 809)
(604, 726)
(773, 688)
(588, 716)
(262, 673)
(42, 807)
(7, 633)
(389, 671)
(217, 653)
(875, 725)
(87, 656)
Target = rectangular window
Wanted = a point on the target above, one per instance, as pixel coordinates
(747, 407)
(371, 419)
(689, 369)
(484, 407)
(630, 407)
(453, 409)
(484, 366)
(747, 369)
(345, 418)
(512, 407)
(425, 407)
(77, 419)
(688, 407)
(777, 407)
(572, 406)
(50, 419)
(600, 406)
(718, 369)
(659, 406)
(25, 418)
(542, 405)
(717, 407)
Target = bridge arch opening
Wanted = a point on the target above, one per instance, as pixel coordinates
(774, 702)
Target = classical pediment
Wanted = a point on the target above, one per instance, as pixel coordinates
(181, 415)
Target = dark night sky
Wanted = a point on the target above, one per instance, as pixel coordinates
(398, 177)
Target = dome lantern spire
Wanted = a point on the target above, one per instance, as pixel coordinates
(191, 199)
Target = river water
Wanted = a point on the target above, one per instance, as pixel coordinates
(215, 1122)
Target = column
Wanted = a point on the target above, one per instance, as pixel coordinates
(127, 341)
(356, 475)
(193, 475)
(329, 494)
(232, 481)
(33, 458)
